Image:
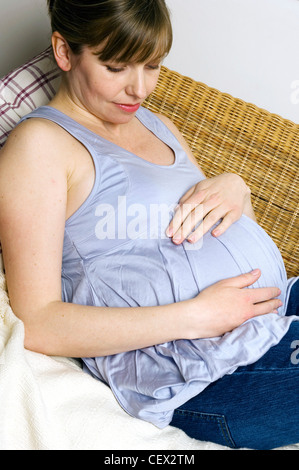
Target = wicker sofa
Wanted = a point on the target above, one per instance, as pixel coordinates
(49, 403)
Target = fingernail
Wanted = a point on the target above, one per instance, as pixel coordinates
(255, 272)
(169, 232)
(216, 233)
(191, 239)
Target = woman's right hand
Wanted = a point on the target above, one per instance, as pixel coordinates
(225, 305)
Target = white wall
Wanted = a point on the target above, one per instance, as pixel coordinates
(248, 48)
(24, 31)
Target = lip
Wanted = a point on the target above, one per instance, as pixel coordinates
(128, 108)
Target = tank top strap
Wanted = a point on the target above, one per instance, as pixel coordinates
(91, 140)
(87, 138)
(157, 126)
(81, 133)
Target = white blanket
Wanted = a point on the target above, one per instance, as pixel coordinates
(48, 403)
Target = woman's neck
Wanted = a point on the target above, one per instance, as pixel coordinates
(63, 101)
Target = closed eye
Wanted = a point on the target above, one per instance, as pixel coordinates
(112, 69)
(115, 69)
(153, 66)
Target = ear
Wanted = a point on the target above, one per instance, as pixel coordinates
(62, 52)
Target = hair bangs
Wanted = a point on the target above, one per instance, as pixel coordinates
(138, 42)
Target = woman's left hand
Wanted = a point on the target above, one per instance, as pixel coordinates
(222, 198)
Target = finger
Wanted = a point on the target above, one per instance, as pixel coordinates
(169, 230)
(264, 308)
(194, 195)
(209, 221)
(263, 294)
(188, 194)
(200, 197)
(180, 215)
(189, 225)
(189, 215)
(226, 222)
(243, 280)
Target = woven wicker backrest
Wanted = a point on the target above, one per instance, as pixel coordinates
(228, 135)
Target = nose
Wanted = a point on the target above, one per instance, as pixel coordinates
(137, 83)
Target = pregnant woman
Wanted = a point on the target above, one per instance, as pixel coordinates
(118, 250)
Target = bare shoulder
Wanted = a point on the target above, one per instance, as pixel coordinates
(32, 138)
(31, 172)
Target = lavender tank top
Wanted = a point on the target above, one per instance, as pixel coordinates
(116, 254)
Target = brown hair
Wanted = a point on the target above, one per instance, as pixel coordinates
(126, 30)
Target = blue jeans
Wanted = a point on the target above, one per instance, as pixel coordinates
(256, 407)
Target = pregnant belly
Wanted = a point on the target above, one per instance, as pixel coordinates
(156, 272)
(245, 246)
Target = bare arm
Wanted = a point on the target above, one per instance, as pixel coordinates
(33, 205)
(34, 175)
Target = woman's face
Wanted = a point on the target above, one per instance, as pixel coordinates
(110, 91)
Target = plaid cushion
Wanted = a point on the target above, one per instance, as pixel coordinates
(21, 91)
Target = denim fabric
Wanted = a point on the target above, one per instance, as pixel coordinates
(257, 406)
